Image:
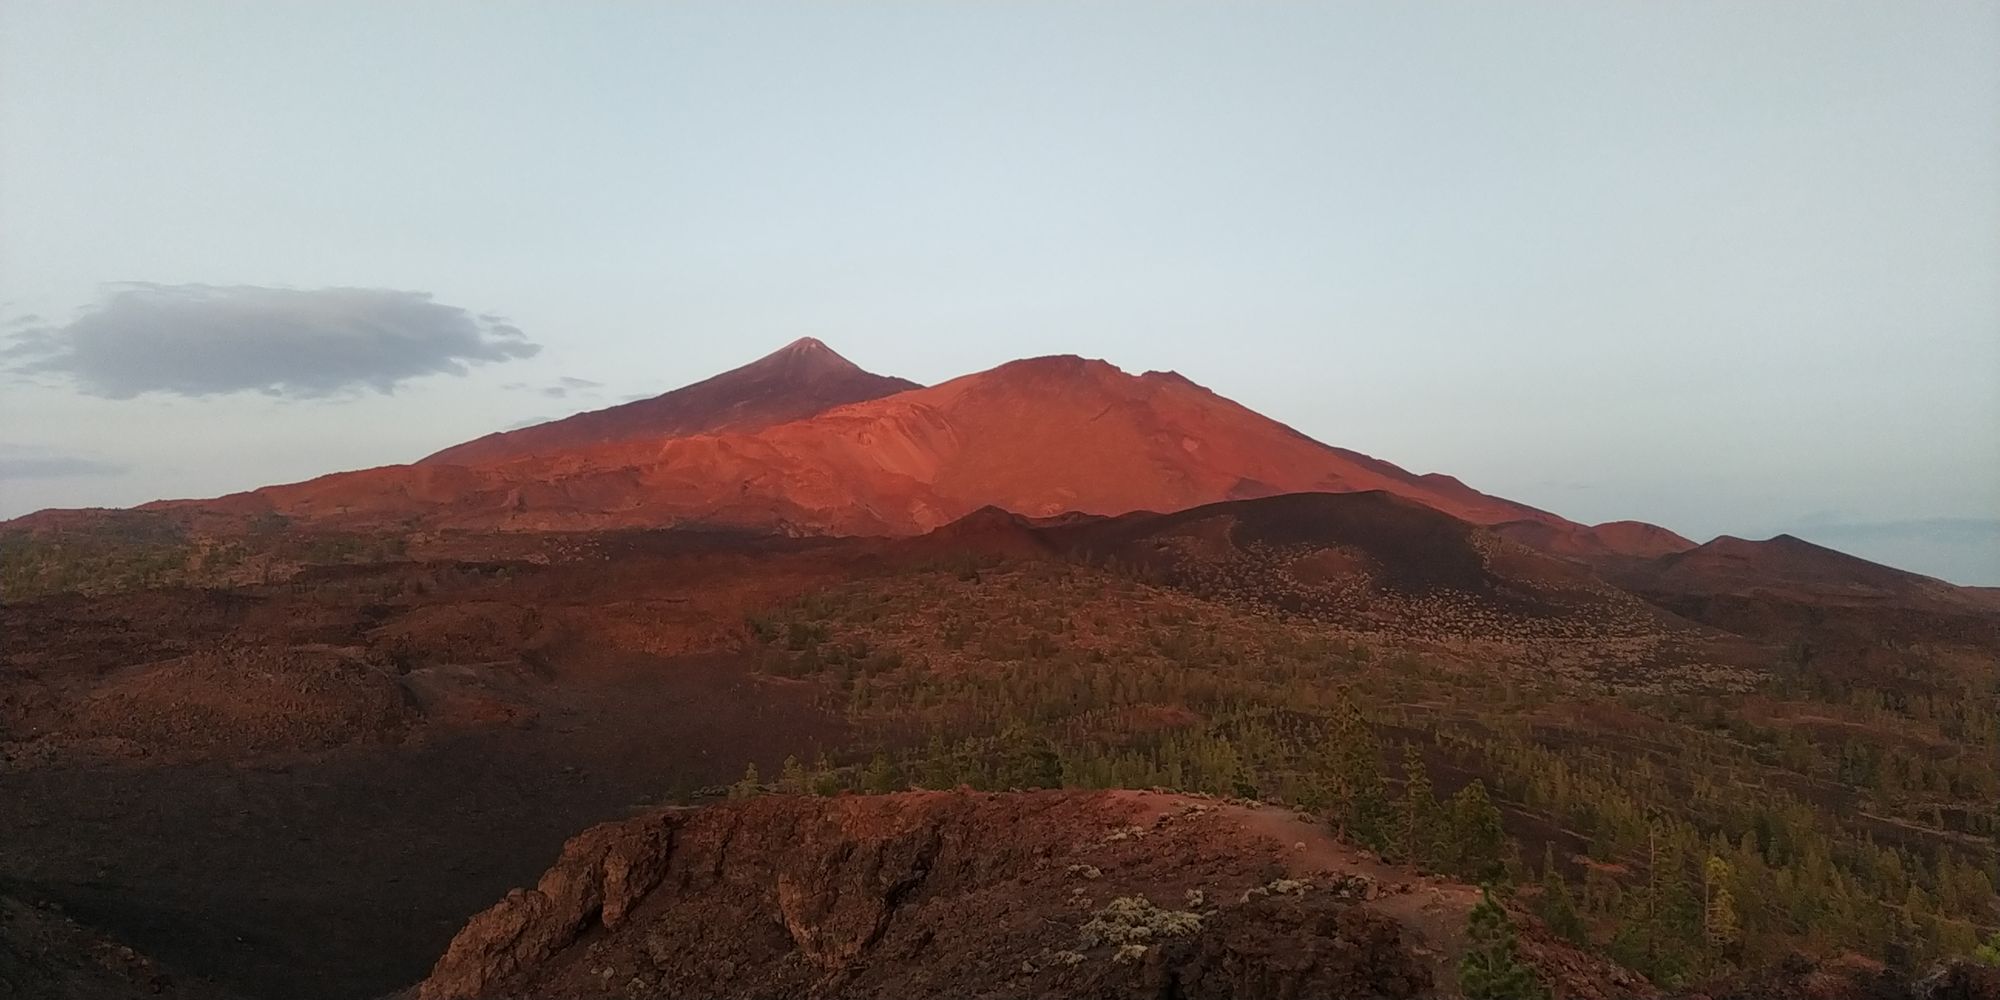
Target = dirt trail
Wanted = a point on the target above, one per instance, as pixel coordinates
(1431, 908)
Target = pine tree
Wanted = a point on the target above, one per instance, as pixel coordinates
(825, 779)
(1417, 835)
(940, 765)
(748, 786)
(792, 779)
(1719, 926)
(1558, 907)
(1478, 843)
(1027, 760)
(1662, 928)
(1677, 907)
(1354, 764)
(1491, 969)
(880, 776)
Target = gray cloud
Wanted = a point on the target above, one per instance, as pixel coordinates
(1962, 528)
(560, 388)
(1960, 549)
(203, 340)
(21, 462)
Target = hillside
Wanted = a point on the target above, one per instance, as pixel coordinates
(1368, 560)
(397, 740)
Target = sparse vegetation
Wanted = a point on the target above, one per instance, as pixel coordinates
(1491, 969)
(133, 550)
(1687, 822)
(1135, 922)
(1125, 683)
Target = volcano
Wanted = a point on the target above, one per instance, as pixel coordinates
(1040, 437)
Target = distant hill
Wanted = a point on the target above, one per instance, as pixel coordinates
(1618, 539)
(1793, 569)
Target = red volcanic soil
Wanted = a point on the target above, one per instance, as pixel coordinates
(798, 380)
(1039, 437)
(1638, 538)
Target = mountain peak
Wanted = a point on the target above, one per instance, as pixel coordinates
(1053, 369)
(797, 380)
(806, 357)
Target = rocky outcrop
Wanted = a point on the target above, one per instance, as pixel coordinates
(959, 894)
(602, 875)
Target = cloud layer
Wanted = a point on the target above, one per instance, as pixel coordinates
(204, 340)
(560, 388)
(1963, 550)
(55, 467)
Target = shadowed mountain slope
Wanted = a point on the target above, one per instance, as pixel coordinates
(1370, 560)
(1402, 545)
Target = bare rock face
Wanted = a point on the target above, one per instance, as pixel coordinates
(840, 903)
(602, 874)
(1118, 895)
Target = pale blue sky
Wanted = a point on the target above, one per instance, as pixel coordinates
(1728, 267)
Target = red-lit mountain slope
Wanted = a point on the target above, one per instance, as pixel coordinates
(1040, 437)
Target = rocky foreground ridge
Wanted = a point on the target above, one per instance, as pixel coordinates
(962, 894)
(1076, 895)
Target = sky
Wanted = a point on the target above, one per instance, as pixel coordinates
(1728, 267)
